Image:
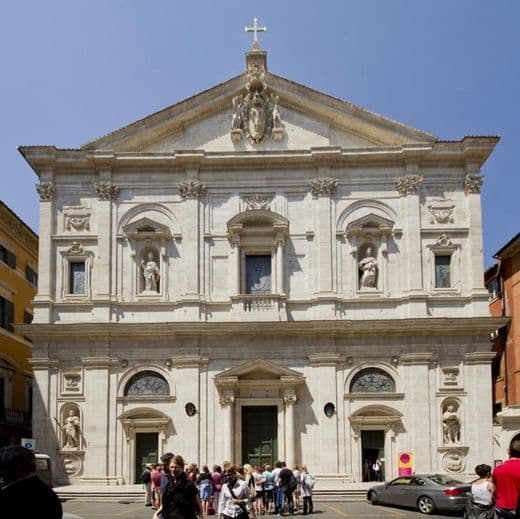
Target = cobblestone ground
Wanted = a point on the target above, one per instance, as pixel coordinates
(323, 510)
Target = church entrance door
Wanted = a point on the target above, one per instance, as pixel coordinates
(259, 435)
(373, 448)
(146, 451)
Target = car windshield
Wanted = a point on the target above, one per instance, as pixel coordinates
(444, 480)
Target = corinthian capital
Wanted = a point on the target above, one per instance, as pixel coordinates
(473, 183)
(191, 189)
(409, 184)
(46, 192)
(323, 186)
(106, 190)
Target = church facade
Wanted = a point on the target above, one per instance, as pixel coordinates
(262, 272)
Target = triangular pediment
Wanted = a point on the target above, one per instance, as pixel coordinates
(309, 119)
(259, 370)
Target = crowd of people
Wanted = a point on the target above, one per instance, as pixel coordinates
(229, 491)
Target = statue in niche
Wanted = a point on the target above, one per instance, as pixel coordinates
(368, 268)
(451, 426)
(151, 273)
(257, 117)
(71, 427)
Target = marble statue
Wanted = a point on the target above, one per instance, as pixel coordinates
(451, 425)
(151, 273)
(236, 121)
(257, 117)
(72, 431)
(368, 267)
(277, 120)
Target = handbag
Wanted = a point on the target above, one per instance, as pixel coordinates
(244, 514)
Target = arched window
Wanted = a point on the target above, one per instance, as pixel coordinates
(147, 383)
(372, 380)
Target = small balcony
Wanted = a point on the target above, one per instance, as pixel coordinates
(10, 416)
(259, 307)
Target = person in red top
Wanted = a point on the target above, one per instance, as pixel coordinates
(507, 483)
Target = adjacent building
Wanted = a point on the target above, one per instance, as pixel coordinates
(262, 272)
(18, 282)
(503, 283)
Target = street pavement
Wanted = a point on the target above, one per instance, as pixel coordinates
(322, 510)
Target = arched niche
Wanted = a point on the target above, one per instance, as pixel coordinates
(144, 230)
(452, 421)
(71, 437)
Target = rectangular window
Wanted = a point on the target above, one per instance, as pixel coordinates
(258, 274)
(7, 257)
(442, 271)
(31, 276)
(77, 278)
(6, 314)
(494, 288)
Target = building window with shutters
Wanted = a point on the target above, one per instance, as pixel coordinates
(6, 314)
(8, 257)
(31, 276)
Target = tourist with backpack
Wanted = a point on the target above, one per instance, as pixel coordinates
(288, 484)
(146, 480)
(307, 484)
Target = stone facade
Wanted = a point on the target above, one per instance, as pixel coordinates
(262, 247)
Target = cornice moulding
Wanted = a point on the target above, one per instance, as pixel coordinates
(472, 326)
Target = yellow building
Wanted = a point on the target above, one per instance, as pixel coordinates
(18, 281)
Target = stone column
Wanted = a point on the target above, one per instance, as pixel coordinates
(106, 192)
(289, 398)
(236, 264)
(411, 268)
(43, 423)
(96, 427)
(227, 401)
(322, 190)
(192, 191)
(324, 374)
(280, 242)
(472, 185)
(420, 411)
(46, 253)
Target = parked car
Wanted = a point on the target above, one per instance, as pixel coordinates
(426, 492)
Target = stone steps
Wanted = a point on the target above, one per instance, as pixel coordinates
(135, 494)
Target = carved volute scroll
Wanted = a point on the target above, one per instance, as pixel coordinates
(409, 184)
(45, 192)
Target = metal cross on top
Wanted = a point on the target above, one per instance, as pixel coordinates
(255, 30)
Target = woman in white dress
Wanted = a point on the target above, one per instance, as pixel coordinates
(480, 506)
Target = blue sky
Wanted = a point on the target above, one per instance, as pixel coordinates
(72, 71)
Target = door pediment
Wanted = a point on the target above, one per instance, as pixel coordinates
(260, 370)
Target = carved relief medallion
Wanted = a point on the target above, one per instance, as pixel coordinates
(258, 201)
(453, 461)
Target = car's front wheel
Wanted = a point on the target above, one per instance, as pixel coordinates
(425, 505)
(372, 497)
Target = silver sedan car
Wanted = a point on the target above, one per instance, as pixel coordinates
(426, 492)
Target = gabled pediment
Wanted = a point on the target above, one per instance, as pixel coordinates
(370, 223)
(145, 228)
(259, 370)
(307, 119)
